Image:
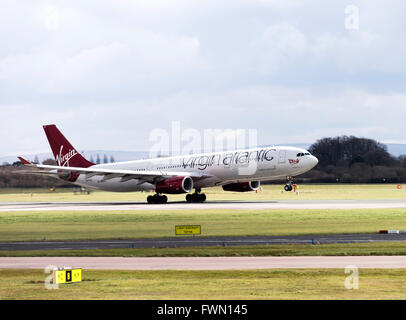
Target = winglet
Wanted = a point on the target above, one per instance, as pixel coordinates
(23, 161)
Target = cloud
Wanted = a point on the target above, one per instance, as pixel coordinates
(109, 72)
(278, 47)
(280, 115)
(73, 60)
(284, 48)
(51, 17)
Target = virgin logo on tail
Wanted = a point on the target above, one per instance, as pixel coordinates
(63, 160)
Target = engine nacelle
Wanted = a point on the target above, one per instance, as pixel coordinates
(68, 175)
(242, 186)
(175, 185)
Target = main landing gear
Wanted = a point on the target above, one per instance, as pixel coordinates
(156, 198)
(196, 197)
(289, 183)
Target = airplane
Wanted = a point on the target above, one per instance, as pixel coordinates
(238, 171)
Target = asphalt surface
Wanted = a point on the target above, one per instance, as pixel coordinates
(182, 205)
(189, 241)
(203, 263)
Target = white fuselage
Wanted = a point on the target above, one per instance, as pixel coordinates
(219, 168)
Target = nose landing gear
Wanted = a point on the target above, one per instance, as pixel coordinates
(288, 187)
(156, 198)
(196, 197)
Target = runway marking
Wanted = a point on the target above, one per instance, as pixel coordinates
(237, 205)
(205, 263)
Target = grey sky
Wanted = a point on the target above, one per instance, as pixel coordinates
(109, 72)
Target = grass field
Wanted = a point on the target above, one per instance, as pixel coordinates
(342, 249)
(83, 225)
(189, 285)
(270, 192)
(88, 225)
(261, 284)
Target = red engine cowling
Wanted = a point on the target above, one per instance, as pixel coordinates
(242, 186)
(68, 175)
(175, 185)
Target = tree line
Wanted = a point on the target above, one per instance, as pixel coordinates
(99, 161)
(350, 159)
(9, 178)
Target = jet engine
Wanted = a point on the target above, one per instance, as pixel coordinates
(68, 175)
(242, 186)
(175, 185)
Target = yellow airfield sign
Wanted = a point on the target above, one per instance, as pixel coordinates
(188, 230)
(67, 275)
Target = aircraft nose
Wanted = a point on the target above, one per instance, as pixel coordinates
(314, 161)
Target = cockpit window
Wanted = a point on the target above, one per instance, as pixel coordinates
(301, 154)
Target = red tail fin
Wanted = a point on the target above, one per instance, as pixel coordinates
(23, 161)
(65, 154)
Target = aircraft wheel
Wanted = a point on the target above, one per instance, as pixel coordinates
(150, 199)
(199, 197)
(156, 198)
(196, 197)
(202, 197)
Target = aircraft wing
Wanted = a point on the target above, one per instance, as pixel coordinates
(125, 175)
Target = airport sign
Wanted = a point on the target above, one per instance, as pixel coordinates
(188, 230)
(67, 275)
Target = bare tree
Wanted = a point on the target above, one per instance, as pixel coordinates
(49, 162)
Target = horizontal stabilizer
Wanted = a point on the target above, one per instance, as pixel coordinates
(23, 161)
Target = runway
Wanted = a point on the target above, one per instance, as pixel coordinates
(201, 241)
(236, 205)
(204, 263)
